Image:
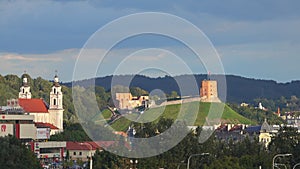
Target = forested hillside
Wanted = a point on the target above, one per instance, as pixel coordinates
(239, 89)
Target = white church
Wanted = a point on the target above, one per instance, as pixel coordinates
(44, 115)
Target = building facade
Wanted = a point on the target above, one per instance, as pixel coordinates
(209, 91)
(47, 115)
(19, 125)
(127, 101)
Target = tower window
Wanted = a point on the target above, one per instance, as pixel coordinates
(54, 91)
(23, 90)
(54, 102)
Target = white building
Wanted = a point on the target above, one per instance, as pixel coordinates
(19, 125)
(48, 116)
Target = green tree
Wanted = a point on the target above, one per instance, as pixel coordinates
(107, 160)
(286, 140)
(15, 155)
(136, 91)
(173, 94)
(72, 132)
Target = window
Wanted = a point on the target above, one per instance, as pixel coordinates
(74, 153)
(54, 102)
(80, 153)
(23, 90)
(54, 90)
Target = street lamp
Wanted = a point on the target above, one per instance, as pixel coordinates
(91, 159)
(298, 164)
(188, 163)
(278, 155)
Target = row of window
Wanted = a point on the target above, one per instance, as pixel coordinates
(74, 153)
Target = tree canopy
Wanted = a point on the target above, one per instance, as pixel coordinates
(15, 155)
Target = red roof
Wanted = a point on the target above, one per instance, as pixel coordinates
(105, 144)
(92, 144)
(82, 145)
(33, 105)
(45, 125)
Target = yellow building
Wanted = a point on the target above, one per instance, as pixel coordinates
(127, 101)
(209, 91)
(265, 134)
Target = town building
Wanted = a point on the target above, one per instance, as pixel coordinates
(49, 152)
(261, 107)
(265, 133)
(244, 104)
(209, 91)
(128, 102)
(13, 121)
(81, 150)
(292, 118)
(45, 115)
(231, 132)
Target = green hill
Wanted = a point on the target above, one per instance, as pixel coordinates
(172, 112)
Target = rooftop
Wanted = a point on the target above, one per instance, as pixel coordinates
(33, 105)
(45, 125)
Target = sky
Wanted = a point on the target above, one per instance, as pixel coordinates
(257, 39)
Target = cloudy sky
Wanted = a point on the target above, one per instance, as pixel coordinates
(257, 38)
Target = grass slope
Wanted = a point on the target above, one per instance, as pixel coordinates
(186, 113)
(103, 117)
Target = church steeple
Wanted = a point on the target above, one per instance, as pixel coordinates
(25, 88)
(56, 95)
(56, 80)
(56, 104)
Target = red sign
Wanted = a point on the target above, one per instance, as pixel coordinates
(3, 128)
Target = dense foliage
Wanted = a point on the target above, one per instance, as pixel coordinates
(15, 155)
(286, 104)
(246, 154)
(72, 132)
(256, 115)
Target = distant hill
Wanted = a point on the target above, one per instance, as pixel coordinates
(171, 112)
(239, 89)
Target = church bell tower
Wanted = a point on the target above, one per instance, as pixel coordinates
(25, 89)
(56, 104)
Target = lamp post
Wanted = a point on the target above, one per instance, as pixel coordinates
(298, 164)
(91, 159)
(188, 163)
(278, 155)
